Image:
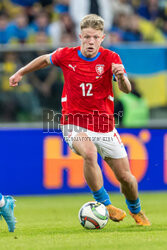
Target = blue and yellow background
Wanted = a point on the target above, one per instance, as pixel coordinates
(147, 64)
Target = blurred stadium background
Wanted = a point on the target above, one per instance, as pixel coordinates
(34, 162)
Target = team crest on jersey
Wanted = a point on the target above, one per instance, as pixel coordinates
(99, 69)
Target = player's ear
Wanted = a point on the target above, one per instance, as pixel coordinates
(80, 36)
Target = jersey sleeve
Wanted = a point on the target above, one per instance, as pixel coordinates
(117, 60)
(56, 57)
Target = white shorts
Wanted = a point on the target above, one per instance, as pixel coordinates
(107, 144)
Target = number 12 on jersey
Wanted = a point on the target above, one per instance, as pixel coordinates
(84, 91)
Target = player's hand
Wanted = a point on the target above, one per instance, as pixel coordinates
(118, 70)
(15, 79)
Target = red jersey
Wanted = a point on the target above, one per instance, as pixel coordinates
(87, 99)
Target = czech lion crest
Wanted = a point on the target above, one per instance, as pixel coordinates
(99, 69)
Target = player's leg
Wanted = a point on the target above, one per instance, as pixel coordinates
(122, 172)
(92, 172)
(7, 211)
(129, 188)
(93, 175)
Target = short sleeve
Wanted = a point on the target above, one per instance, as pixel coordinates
(55, 57)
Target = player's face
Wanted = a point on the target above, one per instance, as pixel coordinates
(91, 40)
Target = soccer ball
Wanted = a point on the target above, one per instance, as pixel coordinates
(93, 215)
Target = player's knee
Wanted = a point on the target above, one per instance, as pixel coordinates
(127, 179)
(90, 154)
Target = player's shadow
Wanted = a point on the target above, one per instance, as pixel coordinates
(109, 229)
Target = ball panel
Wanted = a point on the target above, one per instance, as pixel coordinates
(98, 212)
(93, 215)
(90, 223)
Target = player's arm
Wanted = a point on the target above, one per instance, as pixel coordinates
(38, 63)
(123, 82)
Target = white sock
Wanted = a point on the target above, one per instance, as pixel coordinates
(2, 201)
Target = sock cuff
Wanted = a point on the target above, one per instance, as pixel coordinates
(133, 201)
(102, 196)
(134, 205)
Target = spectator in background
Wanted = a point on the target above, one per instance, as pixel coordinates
(123, 30)
(47, 5)
(133, 28)
(19, 104)
(134, 108)
(47, 82)
(67, 39)
(149, 31)
(161, 21)
(41, 22)
(121, 6)
(78, 9)
(41, 39)
(61, 6)
(48, 85)
(20, 29)
(115, 36)
(12, 10)
(149, 9)
(5, 31)
(128, 31)
(62, 31)
(32, 12)
(32, 7)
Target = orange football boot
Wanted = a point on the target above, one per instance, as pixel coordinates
(115, 214)
(141, 219)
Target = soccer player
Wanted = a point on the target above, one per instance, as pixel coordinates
(87, 112)
(7, 211)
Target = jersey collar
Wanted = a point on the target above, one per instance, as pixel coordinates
(88, 59)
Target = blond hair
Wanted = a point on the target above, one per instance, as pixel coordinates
(92, 21)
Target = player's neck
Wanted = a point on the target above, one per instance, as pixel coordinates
(87, 56)
(90, 59)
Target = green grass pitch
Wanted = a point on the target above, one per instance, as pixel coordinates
(51, 222)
